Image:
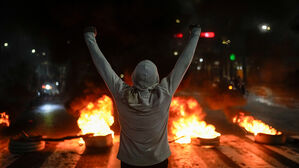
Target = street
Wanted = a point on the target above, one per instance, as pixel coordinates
(233, 151)
(236, 149)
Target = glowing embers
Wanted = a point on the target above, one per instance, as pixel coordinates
(254, 126)
(187, 121)
(4, 119)
(96, 118)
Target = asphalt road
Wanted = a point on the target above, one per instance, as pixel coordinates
(237, 148)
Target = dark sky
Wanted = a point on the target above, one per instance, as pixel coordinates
(123, 22)
(130, 31)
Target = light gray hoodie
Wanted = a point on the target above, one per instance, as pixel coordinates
(144, 107)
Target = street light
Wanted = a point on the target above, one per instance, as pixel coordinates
(265, 27)
(178, 21)
(200, 59)
(33, 51)
(175, 53)
(226, 42)
(5, 44)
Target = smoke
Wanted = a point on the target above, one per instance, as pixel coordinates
(90, 94)
(213, 95)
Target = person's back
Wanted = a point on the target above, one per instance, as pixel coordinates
(143, 115)
(144, 107)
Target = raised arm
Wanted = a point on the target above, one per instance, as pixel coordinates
(172, 81)
(113, 82)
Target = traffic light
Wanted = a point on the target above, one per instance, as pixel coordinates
(178, 35)
(232, 57)
(207, 34)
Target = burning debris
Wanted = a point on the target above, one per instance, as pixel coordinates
(254, 126)
(96, 118)
(263, 133)
(4, 119)
(188, 121)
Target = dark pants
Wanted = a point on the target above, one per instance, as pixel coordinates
(163, 164)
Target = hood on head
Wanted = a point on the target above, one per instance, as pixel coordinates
(145, 75)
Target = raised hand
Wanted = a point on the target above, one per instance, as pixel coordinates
(91, 29)
(195, 29)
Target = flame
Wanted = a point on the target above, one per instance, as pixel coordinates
(254, 126)
(96, 118)
(4, 119)
(188, 123)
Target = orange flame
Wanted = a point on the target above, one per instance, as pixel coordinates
(96, 118)
(4, 119)
(189, 122)
(254, 126)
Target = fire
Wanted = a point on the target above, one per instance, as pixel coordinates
(254, 126)
(97, 117)
(4, 119)
(188, 123)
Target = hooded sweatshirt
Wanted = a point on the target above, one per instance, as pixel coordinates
(144, 107)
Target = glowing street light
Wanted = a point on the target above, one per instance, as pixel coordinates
(177, 21)
(226, 42)
(175, 53)
(265, 27)
(33, 51)
(43, 53)
(5, 44)
(200, 59)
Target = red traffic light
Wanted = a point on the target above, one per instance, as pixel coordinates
(178, 35)
(207, 34)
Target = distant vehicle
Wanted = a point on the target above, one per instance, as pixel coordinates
(49, 89)
(236, 86)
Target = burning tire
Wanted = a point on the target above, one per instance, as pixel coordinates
(206, 141)
(98, 141)
(21, 146)
(270, 139)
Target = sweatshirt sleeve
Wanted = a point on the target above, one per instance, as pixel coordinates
(112, 80)
(172, 81)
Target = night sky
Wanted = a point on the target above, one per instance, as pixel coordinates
(130, 31)
(140, 29)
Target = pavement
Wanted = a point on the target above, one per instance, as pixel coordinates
(233, 151)
(236, 149)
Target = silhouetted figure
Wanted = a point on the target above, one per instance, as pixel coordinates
(144, 107)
